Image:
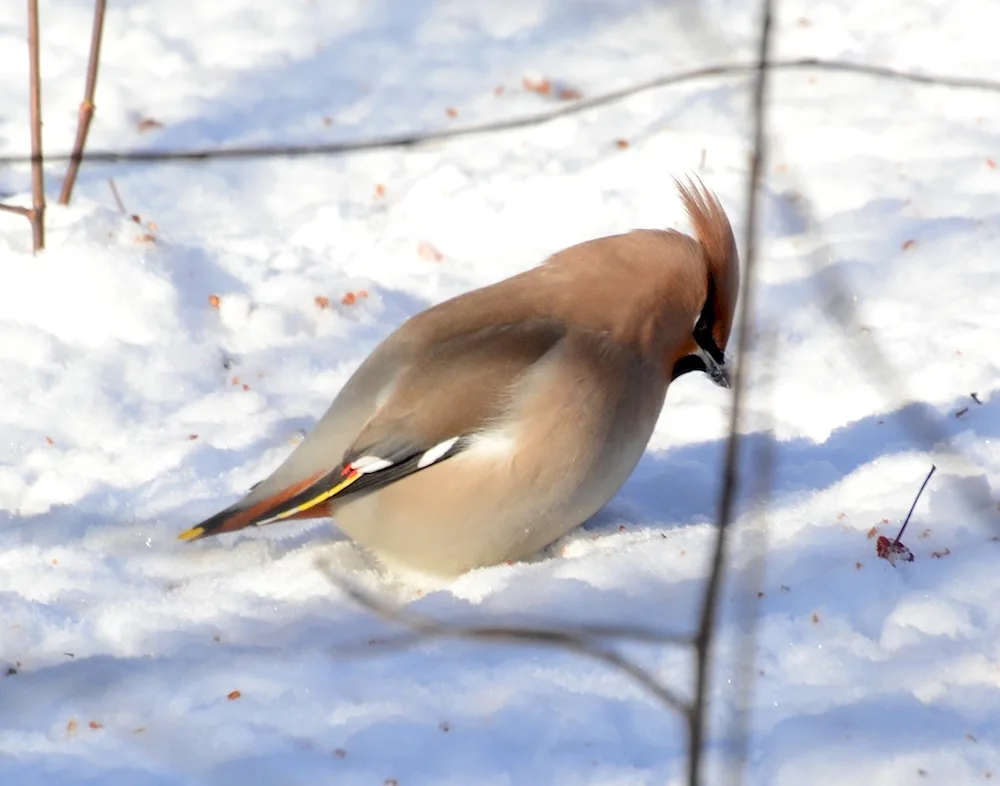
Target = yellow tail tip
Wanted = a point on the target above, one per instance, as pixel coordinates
(191, 534)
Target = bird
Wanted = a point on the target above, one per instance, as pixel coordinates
(489, 425)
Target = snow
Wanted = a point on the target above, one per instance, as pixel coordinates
(131, 407)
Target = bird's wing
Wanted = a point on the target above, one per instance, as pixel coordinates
(404, 409)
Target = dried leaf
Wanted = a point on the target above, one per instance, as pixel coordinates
(428, 252)
(321, 301)
(233, 695)
(892, 551)
(213, 301)
(148, 124)
(542, 87)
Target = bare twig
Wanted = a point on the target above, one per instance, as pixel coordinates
(36, 213)
(753, 547)
(37, 216)
(117, 196)
(414, 138)
(87, 107)
(915, 501)
(21, 211)
(536, 628)
(574, 640)
(698, 718)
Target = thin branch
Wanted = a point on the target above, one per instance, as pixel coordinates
(944, 80)
(21, 211)
(117, 196)
(423, 628)
(414, 138)
(87, 107)
(915, 501)
(698, 720)
(37, 214)
(534, 628)
(753, 546)
(839, 305)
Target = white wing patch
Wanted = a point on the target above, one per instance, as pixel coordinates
(436, 452)
(366, 464)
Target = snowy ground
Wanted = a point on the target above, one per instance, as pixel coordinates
(130, 407)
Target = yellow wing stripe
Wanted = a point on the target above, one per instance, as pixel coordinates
(314, 501)
(197, 532)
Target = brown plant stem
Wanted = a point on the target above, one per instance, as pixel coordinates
(699, 717)
(915, 501)
(412, 139)
(21, 211)
(37, 215)
(117, 196)
(87, 106)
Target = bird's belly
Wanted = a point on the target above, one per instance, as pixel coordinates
(487, 505)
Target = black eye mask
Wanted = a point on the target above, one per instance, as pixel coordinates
(703, 338)
(703, 327)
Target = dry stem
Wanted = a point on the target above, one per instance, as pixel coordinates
(36, 213)
(87, 107)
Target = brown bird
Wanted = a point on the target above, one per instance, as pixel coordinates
(488, 426)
